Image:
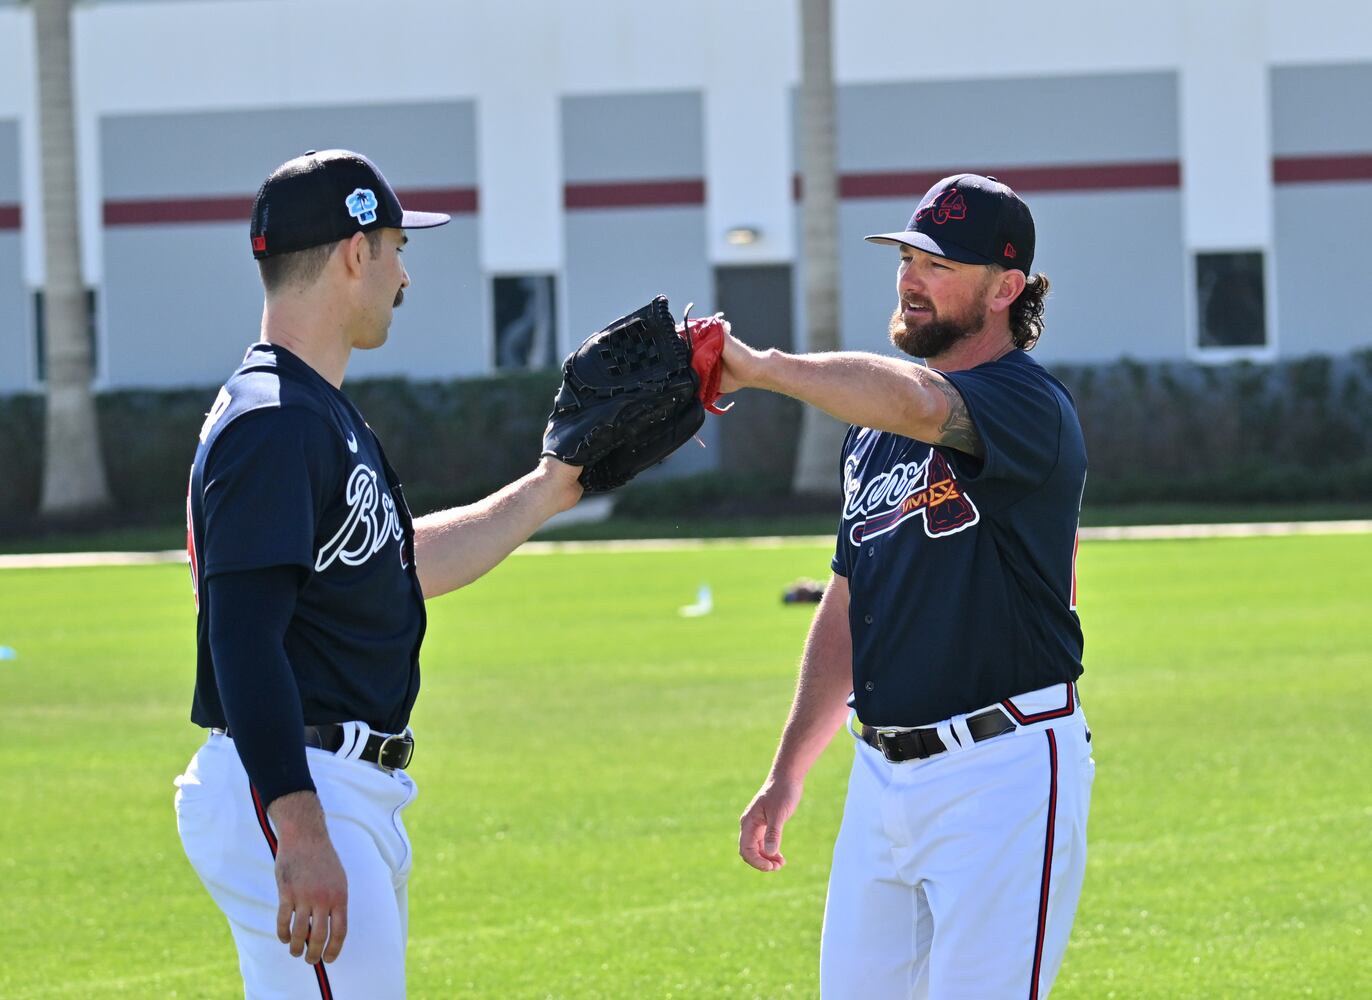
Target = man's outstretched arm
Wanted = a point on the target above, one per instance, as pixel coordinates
(821, 702)
(456, 546)
(868, 390)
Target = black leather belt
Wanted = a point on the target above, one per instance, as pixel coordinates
(918, 744)
(389, 752)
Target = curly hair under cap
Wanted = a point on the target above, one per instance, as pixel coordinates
(1026, 312)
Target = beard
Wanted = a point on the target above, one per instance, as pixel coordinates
(938, 334)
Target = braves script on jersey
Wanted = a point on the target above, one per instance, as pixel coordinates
(936, 543)
(334, 508)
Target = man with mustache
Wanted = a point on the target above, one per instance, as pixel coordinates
(948, 637)
(310, 579)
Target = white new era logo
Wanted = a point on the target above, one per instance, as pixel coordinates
(362, 206)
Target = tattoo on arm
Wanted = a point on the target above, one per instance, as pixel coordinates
(957, 431)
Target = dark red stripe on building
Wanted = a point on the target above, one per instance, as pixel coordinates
(174, 211)
(1054, 177)
(1047, 864)
(454, 200)
(634, 194)
(169, 211)
(1052, 713)
(1322, 169)
(10, 217)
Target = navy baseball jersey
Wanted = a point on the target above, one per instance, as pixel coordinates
(961, 571)
(287, 473)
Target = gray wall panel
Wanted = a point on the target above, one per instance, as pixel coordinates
(1321, 109)
(182, 303)
(9, 162)
(179, 304)
(619, 259)
(158, 279)
(1321, 275)
(231, 152)
(1118, 269)
(438, 331)
(1049, 120)
(621, 137)
(1103, 304)
(16, 322)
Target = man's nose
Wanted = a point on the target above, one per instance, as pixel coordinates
(910, 279)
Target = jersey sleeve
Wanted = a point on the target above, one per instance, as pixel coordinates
(249, 614)
(1019, 418)
(265, 486)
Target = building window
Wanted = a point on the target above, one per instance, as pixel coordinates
(1231, 302)
(525, 313)
(40, 337)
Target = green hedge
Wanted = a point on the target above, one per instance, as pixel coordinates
(452, 441)
(1298, 430)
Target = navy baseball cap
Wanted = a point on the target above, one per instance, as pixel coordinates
(971, 219)
(326, 196)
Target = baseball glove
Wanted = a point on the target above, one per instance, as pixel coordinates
(630, 395)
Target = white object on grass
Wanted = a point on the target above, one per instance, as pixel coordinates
(705, 603)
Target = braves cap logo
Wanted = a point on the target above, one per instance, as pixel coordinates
(948, 205)
(361, 206)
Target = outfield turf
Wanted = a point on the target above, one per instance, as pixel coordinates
(581, 778)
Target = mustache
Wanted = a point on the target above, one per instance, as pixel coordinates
(399, 298)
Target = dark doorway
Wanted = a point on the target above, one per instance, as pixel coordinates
(758, 440)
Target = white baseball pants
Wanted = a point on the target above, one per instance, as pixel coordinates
(957, 877)
(231, 845)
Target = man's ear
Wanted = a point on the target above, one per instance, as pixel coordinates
(355, 248)
(1007, 287)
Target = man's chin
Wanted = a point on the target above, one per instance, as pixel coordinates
(374, 339)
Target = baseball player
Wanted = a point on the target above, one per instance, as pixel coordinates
(310, 578)
(949, 636)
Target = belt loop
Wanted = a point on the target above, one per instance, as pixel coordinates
(961, 733)
(354, 740)
(948, 739)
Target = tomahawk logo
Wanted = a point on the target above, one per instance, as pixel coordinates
(925, 489)
(371, 523)
(948, 205)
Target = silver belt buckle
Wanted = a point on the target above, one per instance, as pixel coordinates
(882, 736)
(381, 753)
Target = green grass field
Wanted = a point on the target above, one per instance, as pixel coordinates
(581, 779)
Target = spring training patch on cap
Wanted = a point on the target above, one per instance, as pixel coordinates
(362, 206)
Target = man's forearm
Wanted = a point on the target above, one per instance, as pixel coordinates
(868, 390)
(826, 680)
(456, 546)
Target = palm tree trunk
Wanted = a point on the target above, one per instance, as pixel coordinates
(816, 471)
(73, 470)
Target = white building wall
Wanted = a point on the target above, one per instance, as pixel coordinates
(517, 59)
